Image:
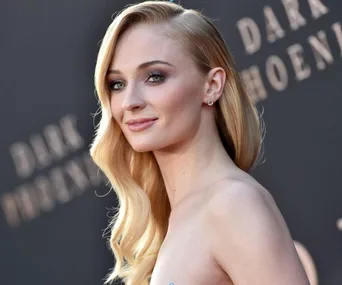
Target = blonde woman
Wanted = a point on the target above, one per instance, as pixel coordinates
(177, 138)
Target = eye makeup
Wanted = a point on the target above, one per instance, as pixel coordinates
(161, 76)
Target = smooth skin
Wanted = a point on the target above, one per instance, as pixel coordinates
(224, 227)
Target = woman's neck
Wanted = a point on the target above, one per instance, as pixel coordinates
(193, 167)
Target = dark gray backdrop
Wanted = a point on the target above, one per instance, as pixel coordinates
(47, 59)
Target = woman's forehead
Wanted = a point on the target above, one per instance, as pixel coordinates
(143, 44)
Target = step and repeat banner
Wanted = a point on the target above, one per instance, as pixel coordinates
(54, 203)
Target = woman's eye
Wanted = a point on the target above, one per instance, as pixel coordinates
(113, 85)
(157, 77)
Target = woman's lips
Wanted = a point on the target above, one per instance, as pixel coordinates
(137, 127)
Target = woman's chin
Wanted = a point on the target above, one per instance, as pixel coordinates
(142, 147)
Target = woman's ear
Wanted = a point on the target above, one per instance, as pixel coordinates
(215, 82)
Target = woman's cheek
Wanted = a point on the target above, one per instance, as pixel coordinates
(175, 99)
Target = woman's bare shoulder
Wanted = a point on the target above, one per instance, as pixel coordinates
(242, 200)
(244, 226)
(242, 187)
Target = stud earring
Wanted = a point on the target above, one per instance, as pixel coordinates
(210, 102)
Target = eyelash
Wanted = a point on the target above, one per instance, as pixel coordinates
(151, 74)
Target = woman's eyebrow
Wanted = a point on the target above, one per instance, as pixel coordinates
(142, 66)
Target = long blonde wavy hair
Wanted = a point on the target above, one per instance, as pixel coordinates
(140, 224)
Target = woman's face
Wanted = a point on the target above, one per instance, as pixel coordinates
(172, 92)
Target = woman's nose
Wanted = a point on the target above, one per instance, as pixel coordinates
(133, 99)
